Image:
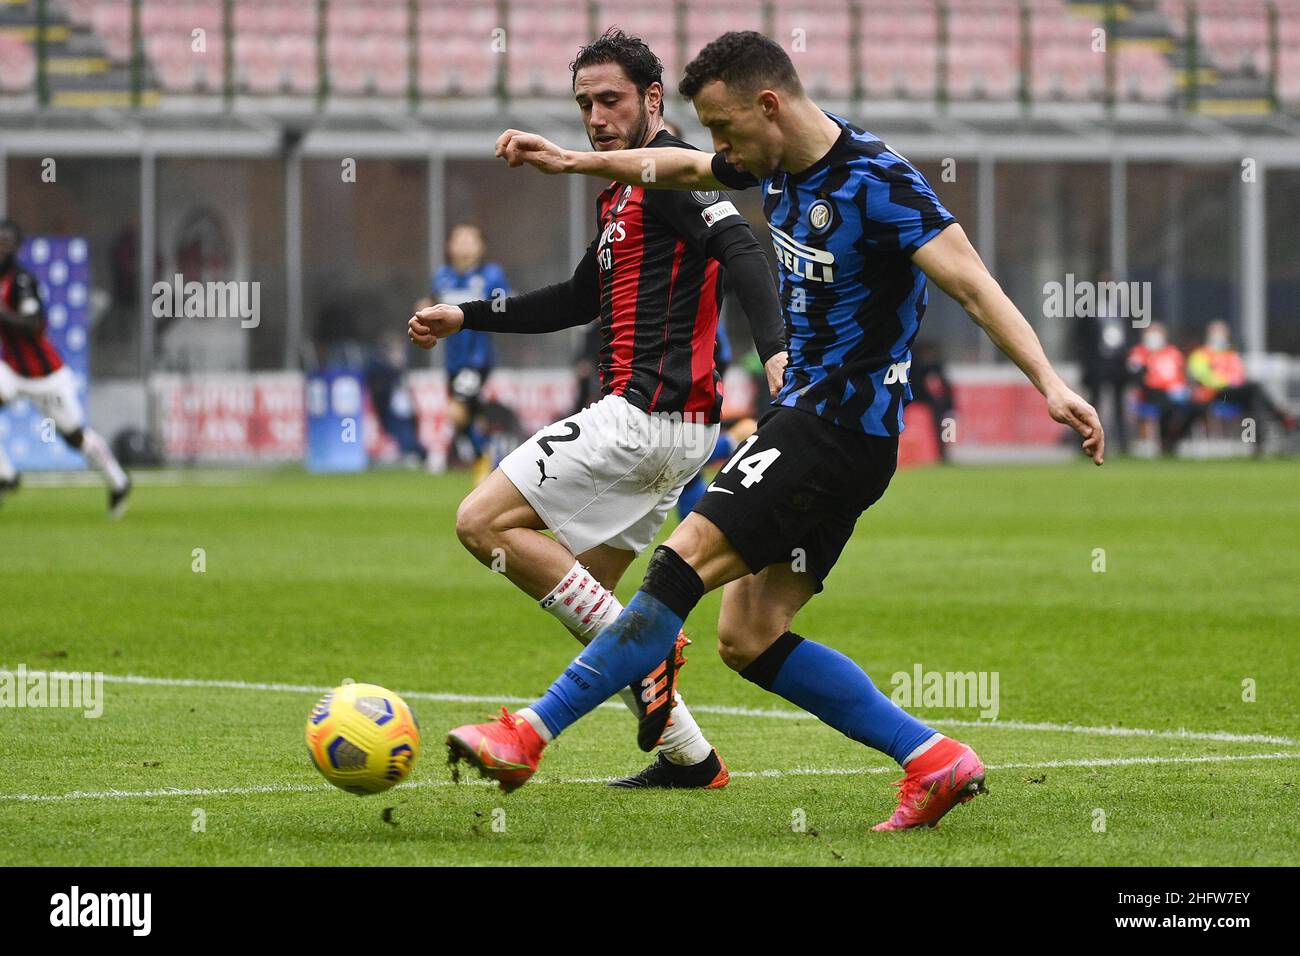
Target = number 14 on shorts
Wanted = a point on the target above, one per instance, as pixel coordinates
(751, 467)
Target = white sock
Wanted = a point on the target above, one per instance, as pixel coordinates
(583, 605)
(539, 725)
(7, 470)
(923, 748)
(683, 742)
(96, 449)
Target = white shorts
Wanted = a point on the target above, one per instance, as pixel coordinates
(54, 395)
(609, 474)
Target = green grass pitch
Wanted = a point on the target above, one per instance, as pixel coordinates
(310, 580)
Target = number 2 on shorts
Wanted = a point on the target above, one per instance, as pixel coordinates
(546, 441)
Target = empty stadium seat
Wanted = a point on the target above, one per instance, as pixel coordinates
(17, 65)
(542, 42)
(816, 35)
(457, 66)
(654, 25)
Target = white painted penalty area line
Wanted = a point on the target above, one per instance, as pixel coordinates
(757, 774)
(770, 713)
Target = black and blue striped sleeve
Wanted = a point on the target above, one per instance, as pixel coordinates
(900, 210)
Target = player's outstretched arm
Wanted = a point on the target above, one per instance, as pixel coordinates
(666, 168)
(954, 265)
(576, 301)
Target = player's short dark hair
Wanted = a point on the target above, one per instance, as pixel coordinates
(637, 60)
(742, 59)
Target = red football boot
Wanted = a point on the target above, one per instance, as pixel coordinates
(947, 774)
(507, 749)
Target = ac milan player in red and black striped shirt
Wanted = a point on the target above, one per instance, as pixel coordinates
(32, 367)
(604, 479)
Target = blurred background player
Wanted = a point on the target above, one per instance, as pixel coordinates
(930, 387)
(32, 368)
(1160, 369)
(466, 277)
(586, 375)
(1102, 346)
(1220, 377)
(604, 480)
(385, 375)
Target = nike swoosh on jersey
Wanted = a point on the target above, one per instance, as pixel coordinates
(773, 192)
(725, 491)
(587, 667)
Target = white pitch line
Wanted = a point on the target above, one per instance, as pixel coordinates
(1042, 765)
(759, 774)
(770, 713)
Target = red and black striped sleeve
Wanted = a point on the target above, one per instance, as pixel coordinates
(712, 225)
(576, 301)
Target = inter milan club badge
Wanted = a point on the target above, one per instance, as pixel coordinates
(820, 216)
(622, 200)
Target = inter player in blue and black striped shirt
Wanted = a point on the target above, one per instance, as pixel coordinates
(857, 231)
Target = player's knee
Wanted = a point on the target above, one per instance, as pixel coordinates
(474, 528)
(736, 644)
(742, 639)
(732, 651)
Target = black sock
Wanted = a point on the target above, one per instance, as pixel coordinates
(673, 582)
(762, 670)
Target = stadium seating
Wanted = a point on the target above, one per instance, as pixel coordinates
(962, 50)
(816, 35)
(17, 65)
(639, 18)
(543, 38)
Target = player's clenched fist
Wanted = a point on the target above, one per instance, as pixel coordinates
(436, 322)
(517, 148)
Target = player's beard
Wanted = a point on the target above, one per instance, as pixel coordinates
(637, 135)
(637, 139)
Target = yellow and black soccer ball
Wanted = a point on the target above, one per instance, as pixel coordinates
(363, 738)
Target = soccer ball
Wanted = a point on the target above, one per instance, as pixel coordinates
(363, 738)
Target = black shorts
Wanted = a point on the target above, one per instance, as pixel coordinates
(792, 494)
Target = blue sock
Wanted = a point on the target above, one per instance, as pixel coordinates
(831, 687)
(631, 647)
(724, 449)
(691, 494)
(475, 439)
